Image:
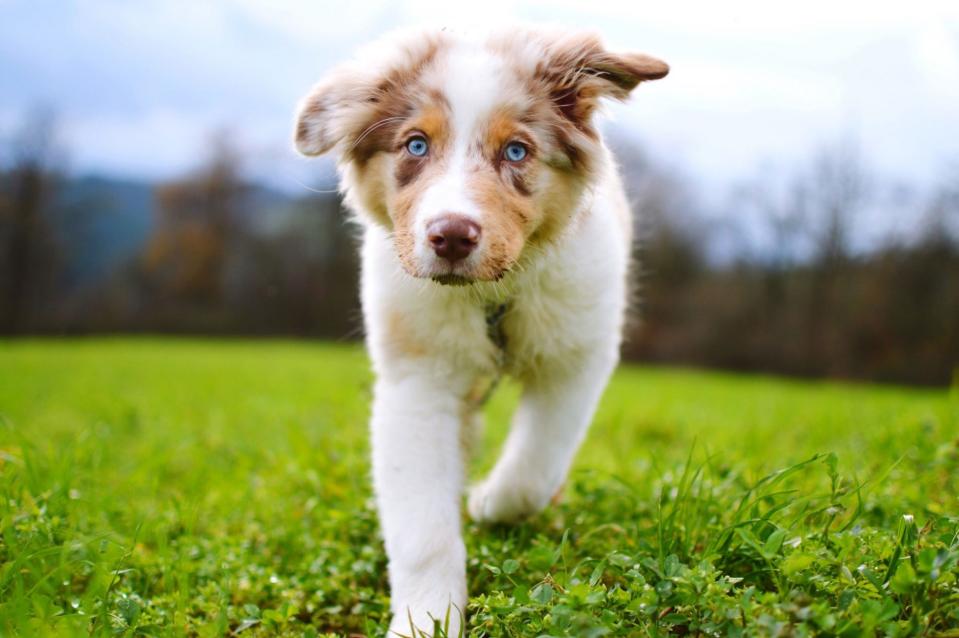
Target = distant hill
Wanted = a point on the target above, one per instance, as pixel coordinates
(103, 221)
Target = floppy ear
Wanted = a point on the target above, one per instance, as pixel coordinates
(313, 136)
(328, 113)
(580, 71)
(626, 70)
(357, 101)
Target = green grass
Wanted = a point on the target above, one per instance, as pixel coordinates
(204, 488)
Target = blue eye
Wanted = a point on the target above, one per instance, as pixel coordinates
(515, 152)
(417, 146)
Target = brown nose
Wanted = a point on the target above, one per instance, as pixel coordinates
(453, 237)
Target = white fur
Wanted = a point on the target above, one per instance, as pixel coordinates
(472, 82)
(564, 324)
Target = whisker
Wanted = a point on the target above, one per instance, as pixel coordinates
(315, 190)
(372, 127)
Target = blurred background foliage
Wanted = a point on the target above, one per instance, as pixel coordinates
(213, 252)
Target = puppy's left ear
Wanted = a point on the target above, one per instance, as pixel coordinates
(579, 71)
(624, 71)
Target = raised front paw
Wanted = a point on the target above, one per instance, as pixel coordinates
(497, 501)
(416, 621)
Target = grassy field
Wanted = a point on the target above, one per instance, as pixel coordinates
(206, 488)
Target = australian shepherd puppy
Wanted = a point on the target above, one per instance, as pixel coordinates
(496, 240)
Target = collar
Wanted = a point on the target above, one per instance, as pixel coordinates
(496, 335)
(494, 326)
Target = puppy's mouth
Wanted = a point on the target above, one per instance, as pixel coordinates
(452, 279)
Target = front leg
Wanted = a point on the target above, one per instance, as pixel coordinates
(554, 412)
(418, 478)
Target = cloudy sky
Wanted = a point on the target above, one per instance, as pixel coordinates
(138, 86)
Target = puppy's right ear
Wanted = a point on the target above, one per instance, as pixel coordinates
(317, 126)
(368, 91)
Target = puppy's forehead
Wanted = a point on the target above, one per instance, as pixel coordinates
(474, 81)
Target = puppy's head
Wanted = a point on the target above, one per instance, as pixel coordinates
(469, 152)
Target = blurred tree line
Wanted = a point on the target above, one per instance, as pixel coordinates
(776, 278)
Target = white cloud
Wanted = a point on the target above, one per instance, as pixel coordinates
(140, 83)
(937, 56)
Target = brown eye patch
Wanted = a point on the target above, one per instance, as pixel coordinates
(431, 122)
(517, 176)
(408, 168)
(503, 128)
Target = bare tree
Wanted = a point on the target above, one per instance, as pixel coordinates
(27, 188)
(198, 218)
(941, 221)
(838, 188)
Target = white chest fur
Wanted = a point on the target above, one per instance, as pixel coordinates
(562, 302)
